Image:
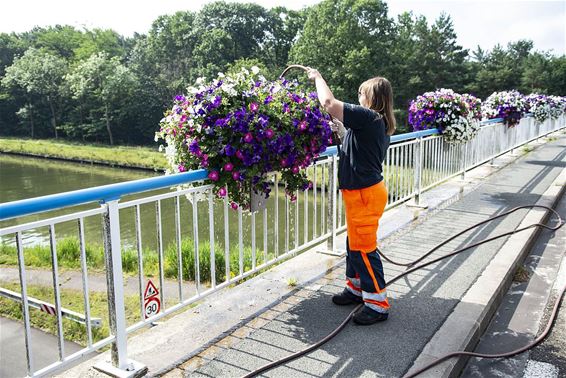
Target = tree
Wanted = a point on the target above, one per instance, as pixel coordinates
(245, 23)
(212, 54)
(283, 28)
(10, 47)
(39, 74)
(59, 40)
(425, 57)
(106, 81)
(501, 68)
(557, 80)
(165, 56)
(101, 40)
(536, 73)
(348, 40)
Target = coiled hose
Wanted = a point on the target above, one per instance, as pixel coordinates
(414, 268)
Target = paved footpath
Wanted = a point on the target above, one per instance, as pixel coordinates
(420, 303)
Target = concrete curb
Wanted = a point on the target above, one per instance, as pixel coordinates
(463, 328)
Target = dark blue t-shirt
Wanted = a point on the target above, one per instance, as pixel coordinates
(363, 148)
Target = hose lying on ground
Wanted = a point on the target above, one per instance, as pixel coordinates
(559, 224)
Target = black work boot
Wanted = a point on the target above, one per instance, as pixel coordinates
(367, 316)
(346, 298)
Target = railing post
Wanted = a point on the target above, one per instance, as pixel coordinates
(331, 210)
(464, 150)
(119, 366)
(514, 137)
(418, 171)
(494, 143)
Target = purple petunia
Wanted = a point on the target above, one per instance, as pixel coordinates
(245, 127)
(228, 167)
(269, 133)
(194, 147)
(229, 150)
(248, 138)
(213, 175)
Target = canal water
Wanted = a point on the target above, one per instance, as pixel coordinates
(27, 177)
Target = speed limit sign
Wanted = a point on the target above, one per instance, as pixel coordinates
(152, 307)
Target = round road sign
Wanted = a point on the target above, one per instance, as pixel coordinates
(152, 307)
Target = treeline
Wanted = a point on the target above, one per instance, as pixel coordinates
(96, 85)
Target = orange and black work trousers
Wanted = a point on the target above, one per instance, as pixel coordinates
(364, 270)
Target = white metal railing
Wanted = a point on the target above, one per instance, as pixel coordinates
(203, 247)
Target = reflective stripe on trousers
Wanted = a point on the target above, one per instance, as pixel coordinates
(364, 277)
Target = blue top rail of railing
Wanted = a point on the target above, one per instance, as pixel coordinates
(111, 192)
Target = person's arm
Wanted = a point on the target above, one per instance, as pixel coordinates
(333, 106)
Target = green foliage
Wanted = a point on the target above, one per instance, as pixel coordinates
(102, 80)
(38, 74)
(245, 24)
(425, 58)
(236, 67)
(349, 33)
(124, 156)
(213, 53)
(117, 88)
(284, 26)
(68, 257)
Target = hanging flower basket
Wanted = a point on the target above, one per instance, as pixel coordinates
(557, 106)
(539, 106)
(456, 116)
(509, 105)
(243, 127)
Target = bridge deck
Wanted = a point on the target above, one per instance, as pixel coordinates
(286, 320)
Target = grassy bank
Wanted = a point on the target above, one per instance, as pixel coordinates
(72, 300)
(143, 157)
(68, 254)
(68, 257)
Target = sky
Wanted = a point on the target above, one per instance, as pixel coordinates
(480, 22)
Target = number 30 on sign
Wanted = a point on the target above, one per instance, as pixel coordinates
(152, 307)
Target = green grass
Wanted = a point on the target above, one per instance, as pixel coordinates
(115, 155)
(68, 257)
(72, 300)
(526, 149)
(68, 254)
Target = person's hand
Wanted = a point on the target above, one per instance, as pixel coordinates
(313, 73)
(338, 127)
